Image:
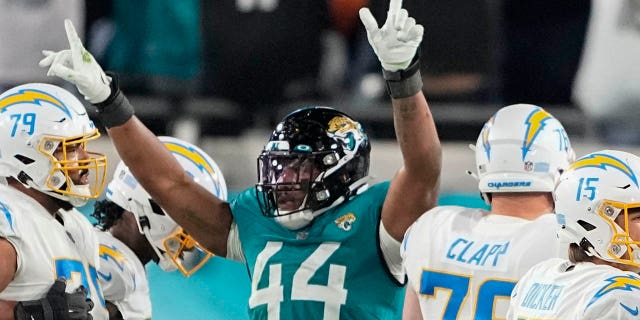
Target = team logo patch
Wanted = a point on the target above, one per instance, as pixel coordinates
(111, 253)
(528, 166)
(623, 283)
(346, 221)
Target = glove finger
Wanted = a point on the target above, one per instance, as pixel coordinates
(403, 34)
(59, 70)
(58, 287)
(48, 58)
(401, 19)
(90, 304)
(60, 62)
(415, 33)
(82, 290)
(395, 6)
(368, 20)
(46, 61)
(75, 44)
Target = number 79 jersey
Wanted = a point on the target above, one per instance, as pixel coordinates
(329, 270)
(463, 263)
(47, 250)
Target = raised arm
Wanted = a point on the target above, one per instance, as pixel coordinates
(200, 213)
(414, 189)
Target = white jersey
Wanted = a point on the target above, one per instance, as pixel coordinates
(463, 263)
(123, 278)
(47, 249)
(558, 289)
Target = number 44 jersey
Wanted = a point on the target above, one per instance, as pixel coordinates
(332, 269)
(463, 263)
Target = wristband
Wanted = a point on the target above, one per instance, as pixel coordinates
(404, 83)
(116, 109)
(35, 309)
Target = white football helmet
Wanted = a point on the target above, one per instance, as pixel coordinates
(521, 148)
(44, 133)
(591, 194)
(175, 248)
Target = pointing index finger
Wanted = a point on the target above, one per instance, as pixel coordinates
(75, 44)
(395, 6)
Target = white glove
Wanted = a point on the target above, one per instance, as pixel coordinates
(397, 41)
(79, 67)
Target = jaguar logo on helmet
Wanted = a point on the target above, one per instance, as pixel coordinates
(602, 161)
(535, 123)
(349, 131)
(35, 96)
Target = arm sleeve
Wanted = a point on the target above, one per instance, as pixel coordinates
(391, 251)
(234, 247)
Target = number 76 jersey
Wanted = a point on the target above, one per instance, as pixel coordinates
(463, 263)
(330, 270)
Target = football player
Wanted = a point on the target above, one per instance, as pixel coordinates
(598, 212)
(318, 240)
(136, 230)
(44, 133)
(462, 263)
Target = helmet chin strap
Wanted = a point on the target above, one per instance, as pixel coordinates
(164, 262)
(302, 218)
(74, 201)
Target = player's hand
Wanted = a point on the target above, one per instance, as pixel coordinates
(397, 41)
(79, 67)
(57, 304)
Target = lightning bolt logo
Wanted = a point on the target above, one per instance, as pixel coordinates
(32, 96)
(111, 253)
(535, 123)
(602, 161)
(485, 136)
(7, 214)
(624, 283)
(193, 155)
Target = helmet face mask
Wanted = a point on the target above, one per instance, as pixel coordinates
(44, 146)
(598, 206)
(521, 148)
(287, 182)
(74, 170)
(174, 248)
(316, 158)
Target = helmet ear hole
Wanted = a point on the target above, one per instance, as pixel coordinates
(585, 245)
(155, 207)
(25, 160)
(586, 225)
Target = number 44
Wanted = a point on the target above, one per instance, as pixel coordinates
(333, 294)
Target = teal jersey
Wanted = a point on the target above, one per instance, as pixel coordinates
(332, 269)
